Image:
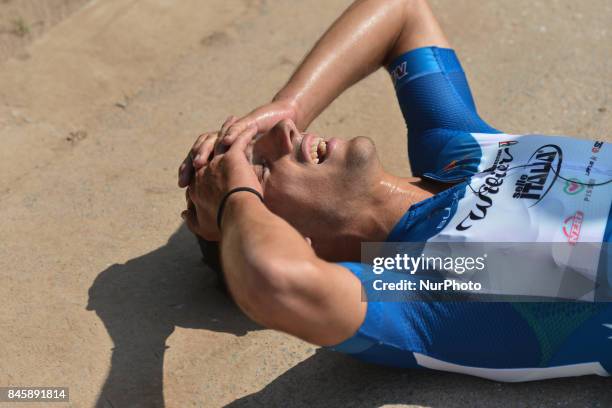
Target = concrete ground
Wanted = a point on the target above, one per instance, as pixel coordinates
(102, 287)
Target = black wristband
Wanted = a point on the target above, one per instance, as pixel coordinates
(228, 194)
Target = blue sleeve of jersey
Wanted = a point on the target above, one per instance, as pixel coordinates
(433, 92)
(497, 335)
(436, 102)
(463, 333)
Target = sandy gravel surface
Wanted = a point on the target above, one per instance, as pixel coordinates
(22, 21)
(102, 288)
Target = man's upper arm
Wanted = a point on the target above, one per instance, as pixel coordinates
(321, 304)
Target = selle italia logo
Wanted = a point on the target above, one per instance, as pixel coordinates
(542, 172)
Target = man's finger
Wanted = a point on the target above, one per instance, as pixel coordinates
(186, 168)
(243, 139)
(202, 154)
(237, 129)
(200, 141)
(191, 193)
(189, 201)
(226, 125)
(220, 147)
(185, 171)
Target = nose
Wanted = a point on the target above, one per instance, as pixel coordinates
(280, 140)
(286, 129)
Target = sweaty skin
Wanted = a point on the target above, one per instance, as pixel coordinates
(369, 34)
(338, 195)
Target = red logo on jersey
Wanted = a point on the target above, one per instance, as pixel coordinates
(571, 227)
(450, 166)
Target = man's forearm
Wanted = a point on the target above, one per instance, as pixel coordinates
(363, 39)
(259, 250)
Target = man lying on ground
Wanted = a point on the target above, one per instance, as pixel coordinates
(286, 205)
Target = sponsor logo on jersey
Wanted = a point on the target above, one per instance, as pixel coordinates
(488, 189)
(571, 227)
(450, 166)
(507, 143)
(597, 147)
(589, 190)
(589, 166)
(573, 186)
(609, 326)
(399, 72)
(445, 217)
(456, 164)
(448, 212)
(542, 172)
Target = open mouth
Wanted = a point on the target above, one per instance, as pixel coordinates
(314, 149)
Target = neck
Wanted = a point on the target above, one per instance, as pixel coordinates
(389, 199)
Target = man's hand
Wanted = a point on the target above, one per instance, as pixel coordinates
(259, 121)
(204, 148)
(223, 173)
(209, 144)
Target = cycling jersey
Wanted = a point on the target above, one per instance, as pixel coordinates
(515, 188)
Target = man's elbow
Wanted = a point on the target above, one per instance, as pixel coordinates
(273, 291)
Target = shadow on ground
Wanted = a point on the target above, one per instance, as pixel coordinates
(142, 301)
(140, 304)
(328, 379)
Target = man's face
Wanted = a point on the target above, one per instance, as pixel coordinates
(312, 182)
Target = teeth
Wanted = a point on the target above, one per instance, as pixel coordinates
(314, 156)
(318, 148)
(315, 145)
(323, 148)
